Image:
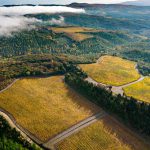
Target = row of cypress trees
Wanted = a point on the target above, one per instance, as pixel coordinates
(132, 111)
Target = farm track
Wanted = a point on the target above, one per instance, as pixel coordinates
(50, 143)
(115, 89)
(53, 141)
(31, 138)
(10, 85)
(24, 132)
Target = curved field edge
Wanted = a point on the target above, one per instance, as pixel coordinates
(111, 70)
(41, 105)
(140, 90)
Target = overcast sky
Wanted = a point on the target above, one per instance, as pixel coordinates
(4, 2)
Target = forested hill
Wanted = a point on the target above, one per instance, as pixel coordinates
(44, 40)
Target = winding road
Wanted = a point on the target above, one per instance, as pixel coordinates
(24, 132)
(50, 144)
(115, 89)
(10, 85)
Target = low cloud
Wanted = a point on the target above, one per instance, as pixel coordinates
(60, 21)
(8, 25)
(12, 19)
(23, 10)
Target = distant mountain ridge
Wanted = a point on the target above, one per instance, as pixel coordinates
(125, 4)
(85, 5)
(138, 3)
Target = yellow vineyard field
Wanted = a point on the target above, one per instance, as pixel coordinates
(112, 70)
(45, 106)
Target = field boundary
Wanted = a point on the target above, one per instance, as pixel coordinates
(115, 89)
(50, 144)
(24, 132)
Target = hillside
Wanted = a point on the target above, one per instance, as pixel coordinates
(75, 77)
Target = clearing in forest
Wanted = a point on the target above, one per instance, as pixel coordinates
(75, 33)
(105, 134)
(140, 90)
(112, 70)
(45, 106)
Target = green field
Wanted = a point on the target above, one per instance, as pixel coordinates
(112, 70)
(140, 90)
(45, 106)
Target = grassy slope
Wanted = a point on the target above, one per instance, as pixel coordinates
(45, 106)
(112, 71)
(140, 90)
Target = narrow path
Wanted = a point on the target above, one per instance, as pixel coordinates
(10, 85)
(119, 89)
(24, 132)
(114, 89)
(52, 142)
(11, 123)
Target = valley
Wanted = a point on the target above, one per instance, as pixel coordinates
(75, 77)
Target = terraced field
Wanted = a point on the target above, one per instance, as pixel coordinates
(105, 134)
(112, 70)
(140, 90)
(45, 106)
(75, 33)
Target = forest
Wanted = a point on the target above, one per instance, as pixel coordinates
(45, 41)
(130, 110)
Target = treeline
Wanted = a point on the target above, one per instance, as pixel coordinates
(132, 111)
(41, 65)
(10, 139)
(44, 41)
(30, 65)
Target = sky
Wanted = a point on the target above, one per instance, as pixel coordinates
(4, 2)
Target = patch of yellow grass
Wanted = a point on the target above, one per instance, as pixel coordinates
(75, 33)
(45, 106)
(112, 70)
(71, 29)
(140, 90)
(79, 36)
(93, 137)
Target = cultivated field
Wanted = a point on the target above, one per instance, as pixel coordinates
(105, 134)
(45, 106)
(112, 70)
(72, 29)
(93, 137)
(79, 36)
(75, 33)
(140, 90)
